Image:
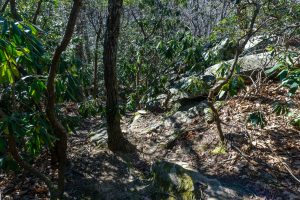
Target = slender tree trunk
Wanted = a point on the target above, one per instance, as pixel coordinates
(59, 131)
(80, 46)
(137, 80)
(85, 36)
(37, 12)
(87, 44)
(96, 53)
(13, 10)
(4, 6)
(116, 141)
(239, 49)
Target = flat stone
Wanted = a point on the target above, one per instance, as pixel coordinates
(100, 135)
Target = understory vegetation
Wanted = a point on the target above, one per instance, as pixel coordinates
(149, 99)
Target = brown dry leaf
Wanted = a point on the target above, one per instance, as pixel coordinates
(40, 189)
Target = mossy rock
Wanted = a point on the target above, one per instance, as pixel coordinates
(172, 182)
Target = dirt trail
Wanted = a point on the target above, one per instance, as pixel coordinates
(256, 172)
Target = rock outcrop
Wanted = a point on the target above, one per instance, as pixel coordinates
(177, 181)
(247, 64)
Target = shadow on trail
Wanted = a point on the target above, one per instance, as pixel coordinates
(246, 179)
(107, 176)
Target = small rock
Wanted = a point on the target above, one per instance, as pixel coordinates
(100, 136)
(142, 112)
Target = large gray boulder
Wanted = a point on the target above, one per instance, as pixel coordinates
(164, 101)
(225, 49)
(258, 44)
(253, 42)
(248, 64)
(195, 86)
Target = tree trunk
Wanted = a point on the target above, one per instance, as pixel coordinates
(116, 141)
(95, 89)
(79, 49)
(37, 12)
(137, 80)
(59, 131)
(13, 10)
(4, 6)
(87, 44)
(239, 49)
(85, 36)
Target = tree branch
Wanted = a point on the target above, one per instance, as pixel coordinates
(37, 12)
(59, 130)
(239, 49)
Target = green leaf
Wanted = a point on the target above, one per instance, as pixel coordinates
(293, 88)
(275, 68)
(257, 119)
(6, 74)
(296, 122)
(219, 150)
(283, 74)
(2, 145)
(5, 27)
(280, 109)
(222, 93)
(15, 71)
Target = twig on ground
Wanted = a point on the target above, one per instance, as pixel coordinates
(290, 171)
(283, 163)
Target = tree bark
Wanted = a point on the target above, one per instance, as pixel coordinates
(13, 10)
(59, 130)
(116, 141)
(96, 53)
(37, 12)
(4, 6)
(80, 46)
(87, 44)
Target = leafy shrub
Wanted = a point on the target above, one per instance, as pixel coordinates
(91, 108)
(287, 71)
(257, 119)
(233, 86)
(280, 109)
(296, 122)
(235, 83)
(195, 86)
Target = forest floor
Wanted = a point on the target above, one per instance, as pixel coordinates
(259, 163)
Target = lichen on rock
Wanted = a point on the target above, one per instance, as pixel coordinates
(172, 182)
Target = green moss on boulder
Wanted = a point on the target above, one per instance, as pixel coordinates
(172, 182)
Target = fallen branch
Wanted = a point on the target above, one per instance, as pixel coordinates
(290, 171)
(253, 161)
(283, 163)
